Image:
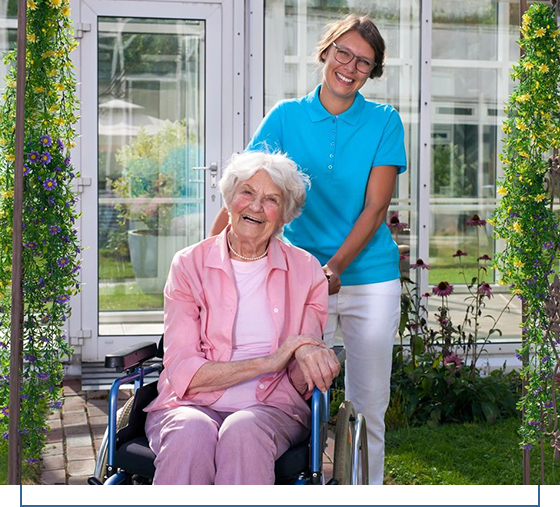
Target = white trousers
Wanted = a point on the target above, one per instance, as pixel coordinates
(368, 316)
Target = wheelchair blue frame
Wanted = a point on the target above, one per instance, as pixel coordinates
(320, 403)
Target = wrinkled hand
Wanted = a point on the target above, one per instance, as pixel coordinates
(334, 279)
(318, 365)
(285, 353)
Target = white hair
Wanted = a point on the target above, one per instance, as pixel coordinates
(283, 171)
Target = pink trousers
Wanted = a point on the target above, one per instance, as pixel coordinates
(197, 445)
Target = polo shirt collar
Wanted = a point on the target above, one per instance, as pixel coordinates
(317, 111)
(218, 255)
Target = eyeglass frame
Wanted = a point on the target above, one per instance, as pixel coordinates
(338, 48)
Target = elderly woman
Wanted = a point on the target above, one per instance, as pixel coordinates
(244, 316)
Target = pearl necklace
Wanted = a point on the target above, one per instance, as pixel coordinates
(242, 256)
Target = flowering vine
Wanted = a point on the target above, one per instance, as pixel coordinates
(50, 244)
(524, 218)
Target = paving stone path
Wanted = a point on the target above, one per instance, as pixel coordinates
(77, 431)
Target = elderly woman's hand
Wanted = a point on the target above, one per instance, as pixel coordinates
(284, 355)
(319, 365)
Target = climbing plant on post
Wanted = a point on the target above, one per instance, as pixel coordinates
(524, 218)
(50, 244)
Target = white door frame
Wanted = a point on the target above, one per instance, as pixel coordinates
(224, 122)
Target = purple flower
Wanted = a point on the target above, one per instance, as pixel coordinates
(43, 375)
(476, 221)
(420, 264)
(548, 245)
(45, 158)
(64, 298)
(59, 144)
(548, 404)
(5, 411)
(545, 359)
(452, 358)
(442, 289)
(29, 357)
(54, 229)
(484, 289)
(395, 223)
(31, 245)
(527, 447)
(26, 170)
(518, 357)
(533, 423)
(33, 157)
(67, 161)
(459, 253)
(62, 262)
(49, 184)
(32, 460)
(484, 258)
(6, 435)
(46, 141)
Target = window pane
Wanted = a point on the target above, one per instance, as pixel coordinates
(151, 136)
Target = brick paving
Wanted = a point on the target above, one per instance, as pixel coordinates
(77, 431)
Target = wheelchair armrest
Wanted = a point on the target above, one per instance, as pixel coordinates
(130, 357)
(340, 352)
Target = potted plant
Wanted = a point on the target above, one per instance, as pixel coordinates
(161, 200)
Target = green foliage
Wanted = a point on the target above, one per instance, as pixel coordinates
(50, 267)
(442, 390)
(452, 177)
(524, 218)
(155, 168)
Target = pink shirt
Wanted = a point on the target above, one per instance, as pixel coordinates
(199, 314)
(253, 331)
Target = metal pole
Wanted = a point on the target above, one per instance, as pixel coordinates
(16, 362)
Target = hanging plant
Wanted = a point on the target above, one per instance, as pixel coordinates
(50, 244)
(524, 218)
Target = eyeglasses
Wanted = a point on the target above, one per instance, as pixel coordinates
(344, 56)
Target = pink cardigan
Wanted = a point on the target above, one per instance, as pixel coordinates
(200, 308)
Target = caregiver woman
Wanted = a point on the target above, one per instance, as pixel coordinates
(352, 149)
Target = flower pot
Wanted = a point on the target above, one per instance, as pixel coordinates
(151, 254)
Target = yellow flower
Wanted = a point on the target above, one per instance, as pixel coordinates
(31, 37)
(528, 65)
(10, 83)
(521, 126)
(518, 264)
(501, 282)
(7, 194)
(38, 89)
(517, 291)
(51, 73)
(502, 191)
(540, 32)
(523, 98)
(47, 54)
(56, 3)
(58, 121)
(60, 87)
(31, 5)
(517, 227)
(10, 158)
(524, 154)
(540, 197)
(543, 68)
(66, 11)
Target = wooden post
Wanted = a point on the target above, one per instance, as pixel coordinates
(16, 362)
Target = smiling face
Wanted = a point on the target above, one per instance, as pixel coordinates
(256, 211)
(342, 81)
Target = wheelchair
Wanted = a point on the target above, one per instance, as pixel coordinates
(126, 458)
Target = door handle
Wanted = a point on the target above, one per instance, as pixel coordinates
(213, 168)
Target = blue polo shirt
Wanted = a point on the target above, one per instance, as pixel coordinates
(337, 152)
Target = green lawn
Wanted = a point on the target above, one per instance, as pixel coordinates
(462, 454)
(128, 296)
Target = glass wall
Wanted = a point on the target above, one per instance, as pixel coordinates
(473, 48)
(8, 32)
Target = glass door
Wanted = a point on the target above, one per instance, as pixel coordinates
(146, 147)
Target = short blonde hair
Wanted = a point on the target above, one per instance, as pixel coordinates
(283, 171)
(365, 26)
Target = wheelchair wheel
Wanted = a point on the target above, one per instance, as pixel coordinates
(360, 465)
(343, 443)
(123, 415)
